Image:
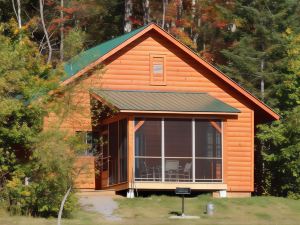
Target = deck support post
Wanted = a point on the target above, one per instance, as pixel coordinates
(130, 193)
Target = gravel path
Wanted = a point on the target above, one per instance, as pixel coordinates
(101, 204)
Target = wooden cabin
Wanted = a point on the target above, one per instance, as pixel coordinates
(166, 118)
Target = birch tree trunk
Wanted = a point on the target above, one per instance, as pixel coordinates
(62, 205)
(193, 8)
(146, 11)
(179, 14)
(45, 30)
(128, 14)
(197, 21)
(262, 81)
(164, 14)
(17, 12)
(61, 47)
(179, 10)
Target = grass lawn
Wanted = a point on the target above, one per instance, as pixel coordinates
(157, 209)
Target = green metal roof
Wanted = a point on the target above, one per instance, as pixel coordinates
(89, 56)
(164, 101)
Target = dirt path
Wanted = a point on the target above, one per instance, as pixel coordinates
(101, 204)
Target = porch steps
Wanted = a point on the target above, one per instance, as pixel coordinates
(92, 192)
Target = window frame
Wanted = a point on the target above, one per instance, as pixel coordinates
(89, 151)
(151, 64)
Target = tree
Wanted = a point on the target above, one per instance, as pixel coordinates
(281, 149)
(255, 58)
(43, 159)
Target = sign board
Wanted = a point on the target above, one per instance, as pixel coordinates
(182, 191)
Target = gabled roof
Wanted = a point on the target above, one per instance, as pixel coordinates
(166, 102)
(85, 58)
(90, 58)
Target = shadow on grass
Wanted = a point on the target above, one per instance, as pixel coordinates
(175, 213)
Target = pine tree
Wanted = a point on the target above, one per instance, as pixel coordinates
(255, 58)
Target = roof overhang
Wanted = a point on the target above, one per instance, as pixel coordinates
(180, 113)
(151, 102)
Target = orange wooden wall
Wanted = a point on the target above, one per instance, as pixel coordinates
(129, 69)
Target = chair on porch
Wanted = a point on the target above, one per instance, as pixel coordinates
(172, 170)
(186, 173)
(146, 172)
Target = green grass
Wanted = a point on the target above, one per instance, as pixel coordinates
(156, 210)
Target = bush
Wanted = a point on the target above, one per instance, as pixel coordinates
(39, 198)
(51, 172)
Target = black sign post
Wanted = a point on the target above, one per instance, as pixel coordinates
(182, 192)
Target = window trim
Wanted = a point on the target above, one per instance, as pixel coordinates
(151, 61)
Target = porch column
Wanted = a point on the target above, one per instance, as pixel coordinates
(130, 152)
(163, 149)
(193, 151)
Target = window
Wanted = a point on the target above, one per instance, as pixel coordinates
(113, 153)
(148, 149)
(157, 69)
(178, 150)
(88, 138)
(117, 147)
(123, 150)
(208, 150)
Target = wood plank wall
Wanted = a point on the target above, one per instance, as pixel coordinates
(129, 69)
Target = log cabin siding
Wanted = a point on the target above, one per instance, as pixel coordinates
(129, 69)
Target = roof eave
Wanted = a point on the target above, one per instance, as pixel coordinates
(105, 56)
(177, 112)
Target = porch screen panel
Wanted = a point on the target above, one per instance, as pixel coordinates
(113, 153)
(178, 150)
(102, 163)
(147, 149)
(123, 150)
(208, 151)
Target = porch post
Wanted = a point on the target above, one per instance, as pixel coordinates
(163, 149)
(130, 152)
(193, 151)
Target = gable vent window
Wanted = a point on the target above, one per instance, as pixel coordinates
(158, 69)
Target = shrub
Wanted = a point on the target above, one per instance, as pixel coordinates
(51, 172)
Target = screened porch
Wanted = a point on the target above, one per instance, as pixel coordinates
(155, 140)
(177, 150)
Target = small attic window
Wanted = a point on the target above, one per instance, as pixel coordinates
(157, 69)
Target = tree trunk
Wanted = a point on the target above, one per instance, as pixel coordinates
(179, 10)
(61, 47)
(128, 14)
(196, 21)
(193, 8)
(62, 205)
(262, 82)
(146, 7)
(45, 30)
(164, 14)
(17, 12)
